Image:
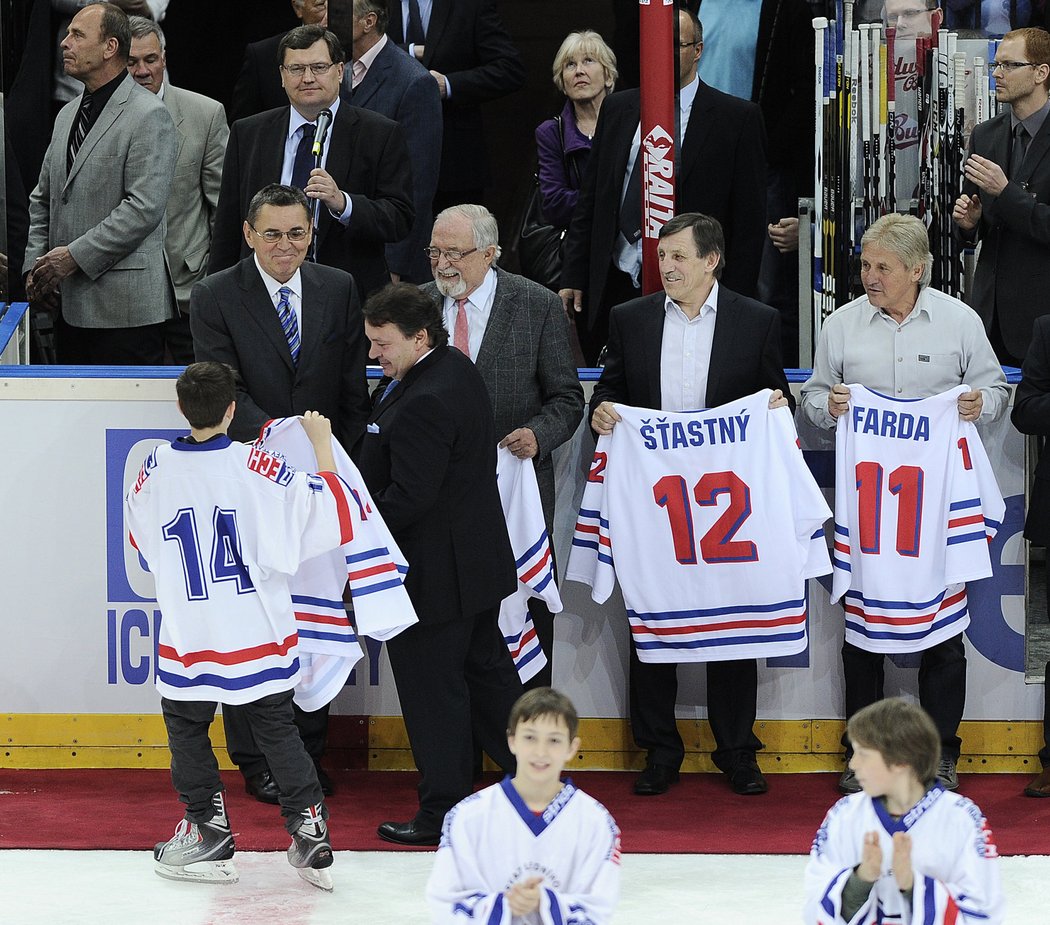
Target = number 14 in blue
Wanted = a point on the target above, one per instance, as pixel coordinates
(226, 561)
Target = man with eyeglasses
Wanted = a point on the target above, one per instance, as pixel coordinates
(293, 332)
(721, 173)
(1006, 197)
(361, 193)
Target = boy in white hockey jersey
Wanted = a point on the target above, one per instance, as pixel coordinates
(222, 526)
(532, 849)
(903, 849)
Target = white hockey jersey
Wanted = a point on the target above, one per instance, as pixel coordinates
(712, 522)
(372, 561)
(953, 860)
(492, 840)
(916, 503)
(519, 494)
(223, 526)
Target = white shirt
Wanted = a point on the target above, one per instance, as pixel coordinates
(291, 144)
(273, 287)
(685, 354)
(479, 308)
(626, 256)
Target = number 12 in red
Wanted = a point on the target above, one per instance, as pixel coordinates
(718, 543)
(906, 483)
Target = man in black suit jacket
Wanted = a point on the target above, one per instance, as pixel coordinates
(737, 352)
(235, 319)
(363, 189)
(469, 54)
(722, 173)
(1031, 415)
(429, 459)
(1006, 197)
(258, 85)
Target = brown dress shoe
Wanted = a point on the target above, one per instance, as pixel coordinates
(1040, 786)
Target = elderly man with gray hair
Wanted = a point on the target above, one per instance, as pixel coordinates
(905, 341)
(517, 334)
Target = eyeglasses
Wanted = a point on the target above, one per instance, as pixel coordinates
(1011, 65)
(318, 70)
(453, 254)
(272, 235)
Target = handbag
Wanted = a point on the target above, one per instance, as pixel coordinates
(539, 242)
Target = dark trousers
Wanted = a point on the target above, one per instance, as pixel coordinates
(456, 683)
(195, 772)
(778, 276)
(247, 754)
(732, 705)
(593, 332)
(178, 340)
(942, 687)
(543, 620)
(141, 346)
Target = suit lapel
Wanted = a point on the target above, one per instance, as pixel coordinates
(439, 14)
(259, 308)
(374, 79)
(504, 307)
(340, 156)
(113, 108)
(171, 100)
(652, 346)
(696, 136)
(1037, 149)
(725, 332)
(315, 316)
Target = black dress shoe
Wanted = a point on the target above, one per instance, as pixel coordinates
(327, 787)
(408, 833)
(747, 780)
(263, 787)
(655, 779)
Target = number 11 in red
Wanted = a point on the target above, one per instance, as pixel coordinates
(906, 483)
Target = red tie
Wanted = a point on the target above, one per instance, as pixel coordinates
(461, 336)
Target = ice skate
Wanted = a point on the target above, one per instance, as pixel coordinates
(310, 852)
(199, 852)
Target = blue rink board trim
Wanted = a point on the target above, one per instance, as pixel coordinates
(1013, 376)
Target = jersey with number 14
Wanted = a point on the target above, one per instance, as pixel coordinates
(916, 503)
(712, 523)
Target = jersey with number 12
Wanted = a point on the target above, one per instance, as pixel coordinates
(916, 503)
(712, 523)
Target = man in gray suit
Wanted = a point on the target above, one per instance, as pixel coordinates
(202, 130)
(517, 334)
(96, 235)
(386, 80)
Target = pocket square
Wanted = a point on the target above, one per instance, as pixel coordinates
(372, 428)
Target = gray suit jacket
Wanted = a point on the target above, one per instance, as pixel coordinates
(109, 211)
(400, 88)
(527, 365)
(202, 130)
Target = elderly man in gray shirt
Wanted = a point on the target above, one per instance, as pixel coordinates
(905, 340)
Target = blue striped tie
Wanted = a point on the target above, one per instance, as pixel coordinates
(288, 323)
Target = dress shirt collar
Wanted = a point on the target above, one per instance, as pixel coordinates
(687, 94)
(481, 297)
(368, 58)
(1034, 122)
(923, 306)
(273, 286)
(710, 305)
(295, 118)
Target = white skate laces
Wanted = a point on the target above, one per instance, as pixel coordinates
(199, 852)
(310, 852)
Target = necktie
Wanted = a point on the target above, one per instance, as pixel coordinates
(461, 335)
(288, 323)
(304, 158)
(1018, 149)
(415, 34)
(390, 386)
(358, 73)
(80, 129)
(631, 207)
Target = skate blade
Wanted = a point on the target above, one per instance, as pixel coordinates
(199, 872)
(322, 879)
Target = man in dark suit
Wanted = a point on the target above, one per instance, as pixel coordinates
(518, 337)
(363, 188)
(429, 459)
(258, 85)
(384, 79)
(473, 61)
(695, 345)
(1031, 415)
(722, 173)
(292, 330)
(1006, 197)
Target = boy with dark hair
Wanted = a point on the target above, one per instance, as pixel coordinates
(903, 849)
(222, 527)
(532, 849)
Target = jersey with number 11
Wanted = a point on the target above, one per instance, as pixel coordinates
(916, 503)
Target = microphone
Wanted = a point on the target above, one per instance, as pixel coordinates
(324, 122)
